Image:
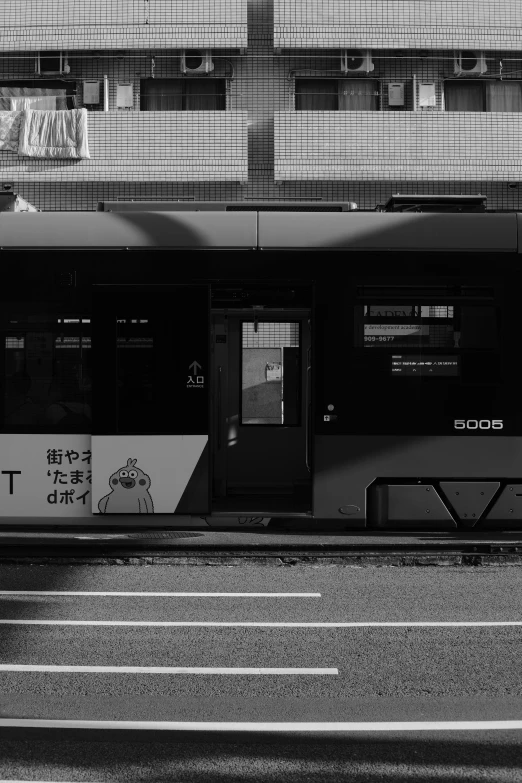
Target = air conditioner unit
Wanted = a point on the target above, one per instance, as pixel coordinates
(195, 61)
(467, 61)
(51, 63)
(356, 61)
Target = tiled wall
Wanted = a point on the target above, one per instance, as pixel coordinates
(208, 146)
(262, 85)
(121, 24)
(481, 24)
(387, 145)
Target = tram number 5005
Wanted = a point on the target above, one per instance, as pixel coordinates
(482, 424)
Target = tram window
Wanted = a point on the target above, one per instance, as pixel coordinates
(47, 378)
(459, 327)
(136, 375)
(270, 373)
(404, 326)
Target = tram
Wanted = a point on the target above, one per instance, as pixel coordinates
(166, 361)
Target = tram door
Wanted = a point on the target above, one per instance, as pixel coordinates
(261, 406)
(150, 449)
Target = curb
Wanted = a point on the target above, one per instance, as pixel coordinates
(277, 560)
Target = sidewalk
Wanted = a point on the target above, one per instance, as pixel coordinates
(260, 545)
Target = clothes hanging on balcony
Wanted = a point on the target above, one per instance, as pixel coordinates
(18, 98)
(45, 134)
(10, 122)
(54, 134)
(42, 102)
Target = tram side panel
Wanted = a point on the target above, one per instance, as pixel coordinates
(417, 419)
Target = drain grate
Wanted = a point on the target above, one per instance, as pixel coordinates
(172, 534)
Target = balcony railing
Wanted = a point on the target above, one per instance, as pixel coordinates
(366, 145)
(195, 146)
(432, 24)
(112, 24)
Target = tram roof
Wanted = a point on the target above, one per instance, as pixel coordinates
(254, 230)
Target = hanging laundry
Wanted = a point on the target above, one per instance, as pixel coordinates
(40, 102)
(10, 122)
(54, 134)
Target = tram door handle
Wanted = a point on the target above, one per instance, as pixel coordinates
(308, 409)
(219, 422)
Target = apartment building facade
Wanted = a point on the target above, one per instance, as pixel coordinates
(269, 99)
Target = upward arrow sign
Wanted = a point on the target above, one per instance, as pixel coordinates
(194, 367)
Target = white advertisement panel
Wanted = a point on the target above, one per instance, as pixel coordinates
(143, 474)
(45, 475)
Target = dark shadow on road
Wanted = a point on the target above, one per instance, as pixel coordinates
(444, 758)
(22, 607)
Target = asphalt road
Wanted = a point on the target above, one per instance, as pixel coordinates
(376, 703)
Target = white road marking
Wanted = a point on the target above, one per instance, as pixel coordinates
(459, 725)
(165, 595)
(212, 624)
(22, 667)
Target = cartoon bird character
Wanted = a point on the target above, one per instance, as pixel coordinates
(129, 492)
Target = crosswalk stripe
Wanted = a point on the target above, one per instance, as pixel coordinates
(162, 595)
(212, 624)
(346, 726)
(22, 667)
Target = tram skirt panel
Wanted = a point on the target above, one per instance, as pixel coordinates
(427, 482)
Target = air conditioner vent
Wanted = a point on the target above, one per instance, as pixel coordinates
(356, 61)
(196, 61)
(470, 62)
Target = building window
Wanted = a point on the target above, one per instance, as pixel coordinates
(194, 94)
(483, 95)
(336, 95)
(51, 94)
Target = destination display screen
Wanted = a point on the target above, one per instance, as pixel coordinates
(424, 366)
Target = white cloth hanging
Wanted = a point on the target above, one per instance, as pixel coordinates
(40, 102)
(54, 134)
